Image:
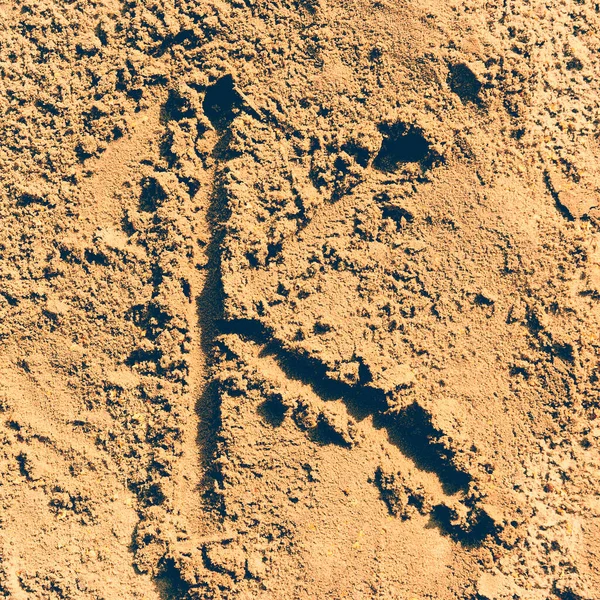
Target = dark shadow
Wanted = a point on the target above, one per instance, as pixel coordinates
(150, 318)
(247, 328)
(413, 434)
(210, 314)
(441, 518)
(177, 107)
(411, 430)
(222, 103)
(27, 199)
(140, 356)
(95, 258)
(397, 214)
(464, 83)
(562, 209)
(325, 435)
(402, 144)
(272, 412)
(169, 583)
(152, 195)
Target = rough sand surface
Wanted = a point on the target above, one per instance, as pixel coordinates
(299, 299)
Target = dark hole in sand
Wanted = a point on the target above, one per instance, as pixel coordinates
(222, 102)
(273, 411)
(401, 144)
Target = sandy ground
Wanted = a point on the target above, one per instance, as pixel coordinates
(299, 299)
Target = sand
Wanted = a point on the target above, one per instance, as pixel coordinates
(299, 300)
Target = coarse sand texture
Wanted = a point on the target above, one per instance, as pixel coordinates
(299, 299)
